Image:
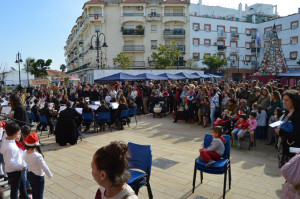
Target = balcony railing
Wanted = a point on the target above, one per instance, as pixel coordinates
(134, 48)
(222, 35)
(85, 66)
(253, 50)
(138, 64)
(235, 35)
(174, 14)
(137, 14)
(181, 48)
(95, 15)
(253, 63)
(133, 32)
(153, 46)
(153, 15)
(176, 33)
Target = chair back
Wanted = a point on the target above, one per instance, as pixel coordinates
(132, 112)
(31, 116)
(43, 119)
(124, 113)
(88, 116)
(104, 116)
(208, 139)
(140, 157)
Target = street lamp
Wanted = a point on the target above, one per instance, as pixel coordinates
(28, 66)
(19, 61)
(98, 47)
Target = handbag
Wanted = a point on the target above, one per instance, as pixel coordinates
(288, 127)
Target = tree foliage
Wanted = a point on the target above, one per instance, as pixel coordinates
(39, 67)
(214, 62)
(123, 61)
(63, 67)
(27, 64)
(166, 56)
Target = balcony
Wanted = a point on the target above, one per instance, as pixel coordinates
(85, 66)
(133, 32)
(138, 65)
(181, 48)
(93, 17)
(137, 14)
(174, 14)
(134, 48)
(153, 47)
(221, 48)
(222, 35)
(174, 34)
(175, 17)
(253, 50)
(133, 16)
(235, 36)
(153, 17)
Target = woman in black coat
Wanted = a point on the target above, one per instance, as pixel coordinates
(291, 99)
(122, 106)
(20, 113)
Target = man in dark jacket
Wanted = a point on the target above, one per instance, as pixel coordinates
(35, 110)
(46, 112)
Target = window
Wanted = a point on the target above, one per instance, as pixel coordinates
(293, 55)
(233, 44)
(248, 45)
(248, 58)
(207, 42)
(153, 12)
(196, 56)
(279, 28)
(167, 27)
(196, 26)
(97, 12)
(153, 27)
(207, 27)
(234, 30)
(153, 44)
(196, 41)
(248, 32)
(179, 12)
(294, 25)
(222, 56)
(221, 43)
(294, 40)
(266, 44)
(207, 54)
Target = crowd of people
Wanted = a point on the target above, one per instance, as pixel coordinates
(245, 108)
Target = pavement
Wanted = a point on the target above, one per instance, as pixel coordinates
(174, 147)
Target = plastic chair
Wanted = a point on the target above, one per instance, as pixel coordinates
(88, 118)
(104, 117)
(248, 135)
(140, 162)
(44, 121)
(124, 116)
(31, 117)
(221, 166)
(133, 112)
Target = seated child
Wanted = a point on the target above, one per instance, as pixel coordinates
(251, 128)
(225, 115)
(239, 128)
(216, 149)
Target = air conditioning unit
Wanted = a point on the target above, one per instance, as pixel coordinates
(139, 8)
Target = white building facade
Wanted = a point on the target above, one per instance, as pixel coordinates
(231, 34)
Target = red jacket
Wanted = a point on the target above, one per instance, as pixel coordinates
(242, 125)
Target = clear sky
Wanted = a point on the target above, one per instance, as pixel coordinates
(39, 28)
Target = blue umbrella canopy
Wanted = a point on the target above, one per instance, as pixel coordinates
(148, 76)
(117, 77)
(187, 75)
(200, 75)
(171, 76)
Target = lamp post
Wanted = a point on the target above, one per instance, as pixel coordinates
(28, 66)
(19, 61)
(98, 47)
(102, 53)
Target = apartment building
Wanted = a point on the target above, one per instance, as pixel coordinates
(130, 26)
(231, 34)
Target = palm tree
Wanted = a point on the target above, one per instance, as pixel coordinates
(63, 67)
(27, 67)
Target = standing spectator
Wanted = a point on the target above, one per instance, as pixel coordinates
(214, 104)
(20, 113)
(274, 103)
(146, 94)
(264, 98)
(261, 119)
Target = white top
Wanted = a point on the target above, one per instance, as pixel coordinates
(113, 93)
(120, 195)
(107, 99)
(13, 156)
(37, 165)
(134, 94)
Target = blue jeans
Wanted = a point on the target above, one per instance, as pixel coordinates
(27, 182)
(17, 182)
(37, 184)
(260, 132)
(212, 115)
(237, 133)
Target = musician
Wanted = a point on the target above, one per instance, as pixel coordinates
(87, 109)
(102, 108)
(122, 106)
(36, 109)
(47, 112)
(70, 113)
(20, 113)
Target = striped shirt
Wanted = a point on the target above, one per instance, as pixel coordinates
(214, 101)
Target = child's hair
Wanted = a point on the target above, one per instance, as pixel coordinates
(279, 111)
(206, 99)
(25, 130)
(243, 116)
(35, 147)
(11, 128)
(259, 108)
(35, 101)
(102, 102)
(218, 130)
(112, 159)
(253, 114)
(254, 105)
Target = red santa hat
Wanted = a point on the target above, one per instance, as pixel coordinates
(32, 140)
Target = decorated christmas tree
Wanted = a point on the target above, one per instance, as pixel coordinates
(273, 61)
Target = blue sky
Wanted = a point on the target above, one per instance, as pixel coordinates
(39, 28)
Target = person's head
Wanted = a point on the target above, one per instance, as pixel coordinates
(243, 102)
(46, 105)
(131, 100)
(245, 87)
(227, 94)
(76, 95)
(252, 115)
(15, 101)
(25, 131)
(36, 101)
(102, 102)
(81, 99)
(213, 91)
(264, 92)
(291, 100)
(278, 112)
(32, 143)
(217, 131)
(13, 130)
(86, 104)
(276, 96)
(123, 100)
(242, 117)
(232, 102)
(68, 104)
(259, 108)
(109, 165)
(254, 106)
(206, 100)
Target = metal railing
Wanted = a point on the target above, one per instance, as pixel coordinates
(85, 66)
(138, 64)
(133, 32)
(137, 14)
(134, 48)
(174, 14)
(153, 15)
(222, 34)
(174, 32)
(181, 48)
(235, 35)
